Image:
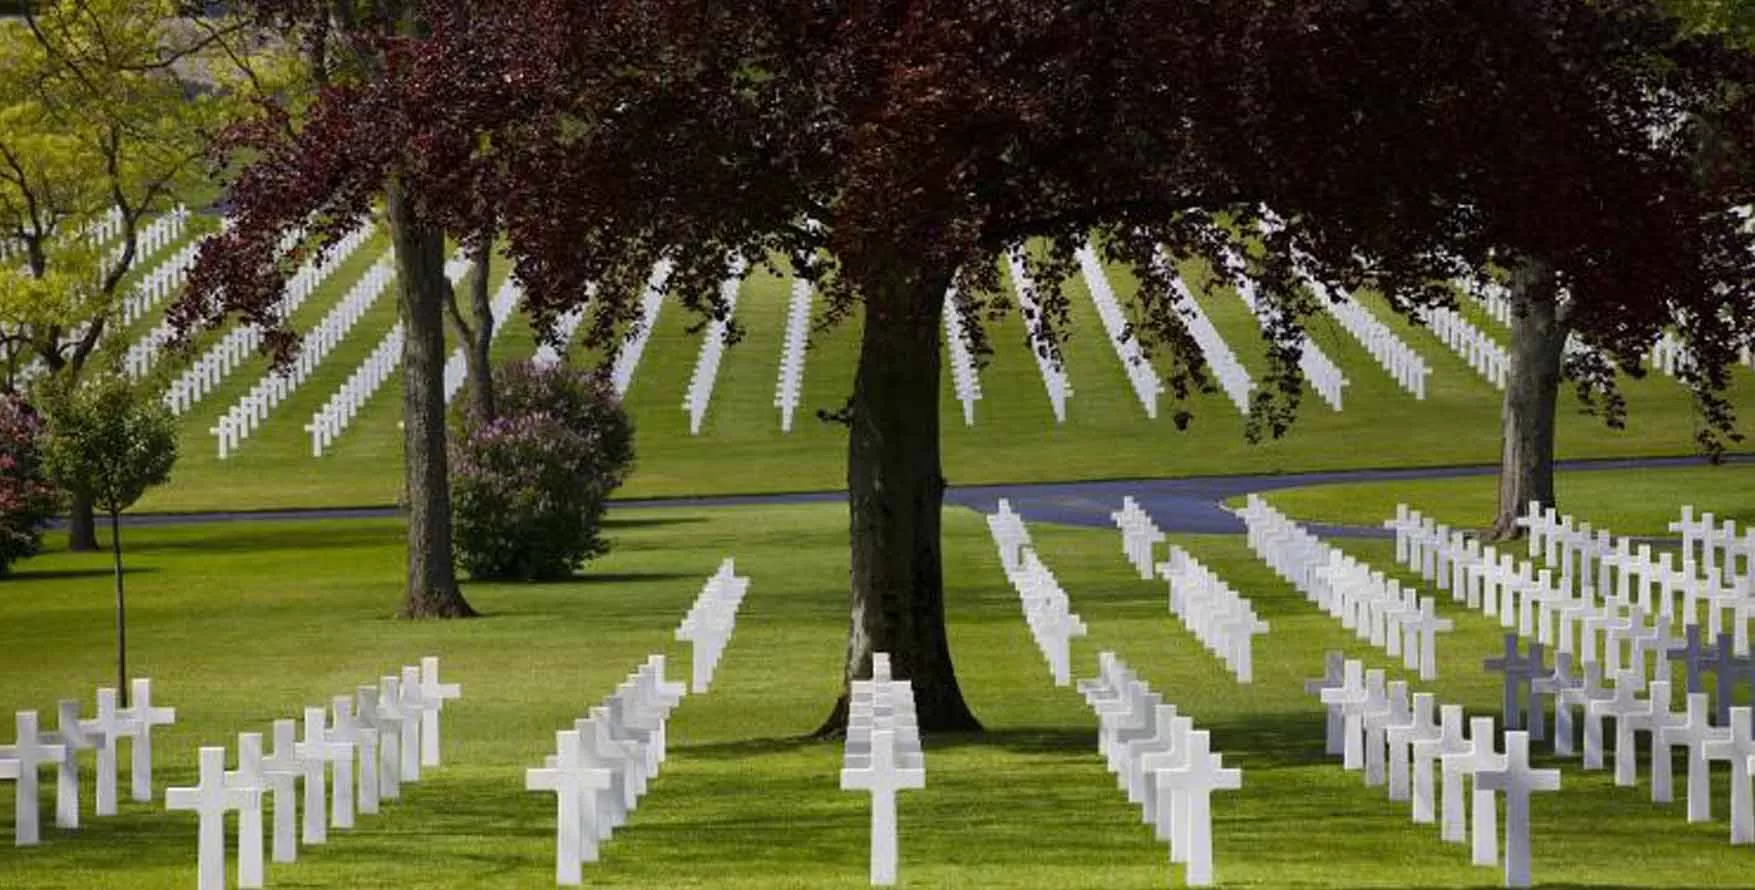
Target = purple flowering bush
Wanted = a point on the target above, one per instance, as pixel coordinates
(529, 488)
(27, 500)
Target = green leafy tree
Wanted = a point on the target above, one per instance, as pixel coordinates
(109, 440)
(105, 106)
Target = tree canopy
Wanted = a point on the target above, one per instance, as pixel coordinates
(892, 148)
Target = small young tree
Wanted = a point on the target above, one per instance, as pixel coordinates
(109, 441)
(27, 500)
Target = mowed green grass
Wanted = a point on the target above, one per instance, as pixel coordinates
(741, 448)
(242, 623)
(1626, 502)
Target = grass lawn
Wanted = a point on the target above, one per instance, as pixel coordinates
(1014, 439)
(242, 623)
(1626, 502)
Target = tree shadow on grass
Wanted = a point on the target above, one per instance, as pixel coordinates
(263, 537)
(588, 579)
(22, 575)
(650, 522)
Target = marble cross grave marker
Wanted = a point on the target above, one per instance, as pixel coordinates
(210, 800)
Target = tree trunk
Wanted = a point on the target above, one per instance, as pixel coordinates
(481, 372)
(1538, 346)
(432, 590)
(121, 610)
(895, 493)
(81, 525)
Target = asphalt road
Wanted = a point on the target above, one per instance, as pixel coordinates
(1179, 506)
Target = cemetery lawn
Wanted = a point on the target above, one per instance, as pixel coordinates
(741, 449)
(242, 623)
(1627, 502)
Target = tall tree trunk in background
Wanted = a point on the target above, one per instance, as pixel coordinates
(1538, 346)
(421, 293)
(895, 494)
(481, 341)
(81, 524)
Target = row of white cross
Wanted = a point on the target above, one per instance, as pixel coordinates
(1374, 607)
(241, 342)
(1140, 374)
(965, 379)
(789, 389)
(1166, 766)
(1638, 596)
(1405, 366)
(390, 730)
(1048, 362)
(601, 767)
(1323, 375)
(706, 372)
(882, 756)
(1494, 299)
(247, 414)
(1219, 617)
(1670, 355)
(627, 360)
(1140, 537)
(1233, 377)
(1626, 622)
(339, 410)
(1480, 351)
(166, 277)
(1047, 610)
(710, 621)
(565, 326)
(103, 735)
(1719, 546)
(1375, 729)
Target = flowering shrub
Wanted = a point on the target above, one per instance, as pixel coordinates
(27, 500)
(529, 489)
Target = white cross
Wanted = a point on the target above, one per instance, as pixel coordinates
(315, 750)
(1518, 670)
(384, 704)
(1695, 732)
(69, 731)
(575, 785)
(1333, 668)
(210, 800)
(1350, 697)
(1479, 758)
(1589, 689)
(1737, 748)
(363, 727)
(109, 728)
(883, 777)
(414, 706)
(280, 772)
(347, 730)
(1516, 781)
(1420, 726)
(436, 694)
(1661, 719)
(1626, 707)
(249, 776)
(145, 717)
(1194, 784)
(24, 756)
(1554, 686)
(1425, 628)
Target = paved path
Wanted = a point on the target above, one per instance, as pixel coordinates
(1180, 506)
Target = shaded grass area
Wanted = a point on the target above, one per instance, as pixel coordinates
(1014, 439)
(1626, 502)
(242, 623)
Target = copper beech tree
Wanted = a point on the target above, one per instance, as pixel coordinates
(891, 149)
